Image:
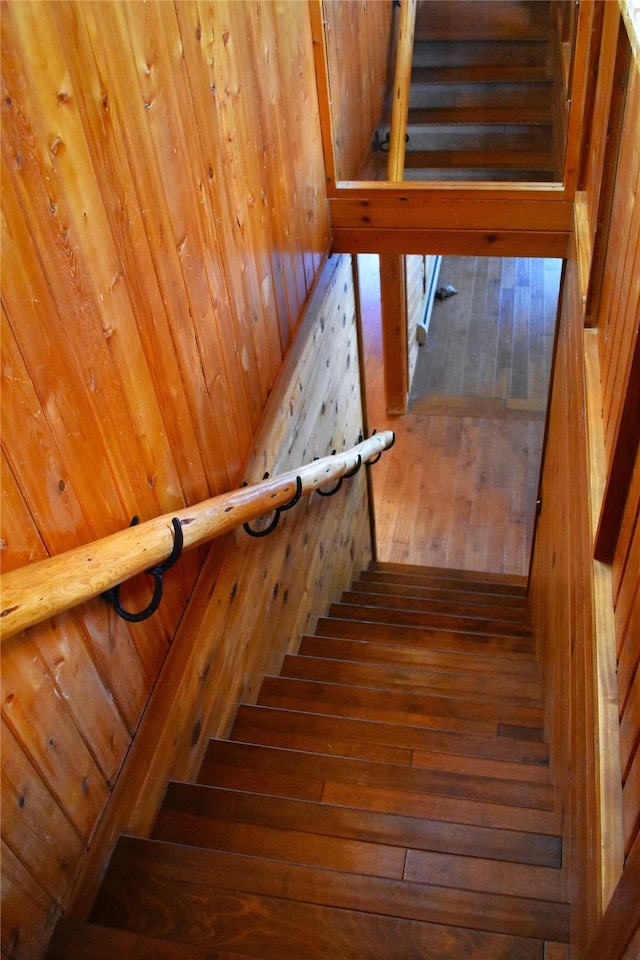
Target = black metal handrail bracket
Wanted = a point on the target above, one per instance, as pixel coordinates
(112, 596)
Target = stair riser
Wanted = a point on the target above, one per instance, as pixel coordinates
(480, 53)
(510, 96)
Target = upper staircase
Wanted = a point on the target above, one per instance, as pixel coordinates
(388, 796)
(481, 99)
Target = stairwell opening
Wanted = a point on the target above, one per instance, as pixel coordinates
(459, 489)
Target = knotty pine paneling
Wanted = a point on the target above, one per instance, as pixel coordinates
(359, 45)
(619, 306)
(566, 586)
(255, 597)
(164, 220)
(561, 591)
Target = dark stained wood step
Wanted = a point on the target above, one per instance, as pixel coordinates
(412, 678)
(515, 73)
(197, 895)
(368, 857)
(480, 175)
(480, 116)
(411, 586)
(446, 809)
(506, 159)
(470, 96)
(483, 614)
(399, 707)
(499, 54)
(475, 873)
(403, 614)
(252, 718)
(377, 626)
(469, 20)
(511, 584)
(91, 941)
(341, 648)
(186, 805)
(308, 772)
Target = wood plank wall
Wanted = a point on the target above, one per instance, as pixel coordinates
(359, 42)
(255, 597)
(566, 583)
(162, 228)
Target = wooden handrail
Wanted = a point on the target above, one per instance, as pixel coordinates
(401, 88)
(43, 589)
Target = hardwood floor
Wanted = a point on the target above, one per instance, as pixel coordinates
(459, 487)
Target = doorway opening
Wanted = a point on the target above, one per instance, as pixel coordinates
(459, 489)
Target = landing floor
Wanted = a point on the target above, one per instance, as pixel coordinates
(459, 488)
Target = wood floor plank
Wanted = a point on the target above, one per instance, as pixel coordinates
(477, 615)
(250, 719)
(437, 621)
(520, 692)
(197, 802)
(512, 607)
(78, 941)
(475, 873)
(492, 582)
(370, 858)
(409, 708)
(310, 768)
(198, 875)
(446, 809)
(415, 635)
(278, 735)
(339, 648)
(363, 704)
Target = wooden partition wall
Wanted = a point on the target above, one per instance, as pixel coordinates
(162, 228)
(585, 579)
(357, 76)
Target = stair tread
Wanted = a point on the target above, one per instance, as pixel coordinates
(481, 52)
(463, 579)
(377, 584)
(506, 159)
(402, 613)
(469, 19)
(480, 116)
(78, 941)
(398, 706)
(312, 770)
(389, 652)
(482, 614)
(464, 95)
(515, 691)
(390, 784)
(412, 634)
(253, 717)
(370, 749)
(197, 801)
(490, 73)
(185, 877)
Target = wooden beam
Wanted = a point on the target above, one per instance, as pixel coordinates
(395, 351)
(500, 243)
(406, 210)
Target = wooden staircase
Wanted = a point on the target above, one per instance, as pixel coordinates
(388, 796)
(481, 93)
